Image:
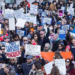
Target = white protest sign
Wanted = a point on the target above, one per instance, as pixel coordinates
(11, 24)
(31, 18)
(9, 13)
(48, 67)
(20, 22)
(32, 49)
(47, 20)
(18, 13)
(60, 63)
(72, 34)
(65, 27)
(0, 28)
(33, 9)
(12, 49)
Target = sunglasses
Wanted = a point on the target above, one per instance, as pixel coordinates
(35, 36)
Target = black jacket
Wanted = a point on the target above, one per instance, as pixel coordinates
(2, 72)
(55, 45)
(43, 42)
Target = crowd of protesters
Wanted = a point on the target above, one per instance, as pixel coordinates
(39, 35)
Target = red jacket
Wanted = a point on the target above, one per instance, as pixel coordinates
(72, 71)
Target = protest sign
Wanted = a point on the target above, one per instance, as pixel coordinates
(65, 27)
(12, 49)
(48, 67)
(49, 55)
(31, 18)
(33, 9)
(9, 13)
(72, 34)
(32, 49)
(46, 20)
(70, 10)
(60, 63)
(63, 8)
(11, 24)
(18, 13)
(0, 28)
(20, 22)
(62, 34)
(43, 14)
(60, 13)
(20, 32)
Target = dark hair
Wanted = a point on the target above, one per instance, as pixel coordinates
(15, 35)
(70, 65)
(38, 66)
(55, 71)
(63, 46)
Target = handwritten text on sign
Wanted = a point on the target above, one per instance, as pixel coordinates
(12, 49)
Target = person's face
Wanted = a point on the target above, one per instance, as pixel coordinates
(67, 50)
(35, 37)
(42, 34)
(33, 67)
(29, 61)
(3, 49)
(73, 41)
(54, 37)
(25, 41)
(34, 58)
(12, 61)
(51, 32)
(16, 38)
(58, 26)
(71, 28)
(6, 21)
(26, 24)
(31, 32)
(7, 40)
(60, 47)
(46, 47)
(6, 69)
(67, 63)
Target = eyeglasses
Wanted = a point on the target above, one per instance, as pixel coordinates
(24, 40)
(67, 61)
(59, 46)
(3, 49)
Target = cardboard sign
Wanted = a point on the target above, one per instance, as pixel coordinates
(65, 27)
(12, 49)
(20, 22)
(9, 13)
(60, 13)
(20, 32)
(60, 63)
(62, 34)
(33, 9)
(12, 24)
(48, 67)
(32, 49)
(46, 20)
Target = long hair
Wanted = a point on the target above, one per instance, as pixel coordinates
(55, 71)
